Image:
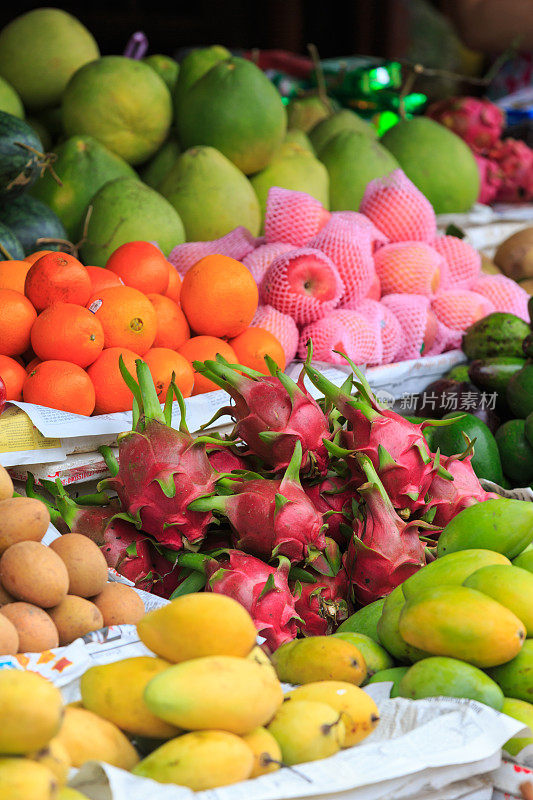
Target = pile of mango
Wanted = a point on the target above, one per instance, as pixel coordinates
(462, 625)
(206, 710)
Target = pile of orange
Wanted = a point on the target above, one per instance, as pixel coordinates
(63, 326)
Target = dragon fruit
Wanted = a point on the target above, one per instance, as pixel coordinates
(490, 179)
(332, 497)
(262, 590)
(395, 446)
(223, 459)
(270, 517)
(161, 469)
(272, 413)
(449, 497)
(385, 549)
(515, 162)
(321, 592)
(129, 552)
(477, 121)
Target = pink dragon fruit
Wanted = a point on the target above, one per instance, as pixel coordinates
(321, 592)
(332, 497)
(385, 549)
(262, 590)
(161, 470)
(129, 552)
(490, 179)
(270, 517)
(223, 459)
(515, 161)
(449, 497)
(272, 413)
(395, 446)
(476, 120)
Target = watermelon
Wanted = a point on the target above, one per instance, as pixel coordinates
(21, 156)
(30, 220)
(10, 247)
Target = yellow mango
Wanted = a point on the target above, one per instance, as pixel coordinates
(198, 625)
(320, 658)
(31, 709)
(55, 757)
(218, 692)
(510, 586)
(266, 750)
(462, 623)
(21, 779)
(67, 793)
(201, 760)
(358, 711)
(115, 691)
(87, 737)
(307, 730)
(260, 657)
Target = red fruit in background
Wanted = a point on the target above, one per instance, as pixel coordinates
(515, 163)
(399, 209)
(141, 265)
(490, 179)
(57, 278)
(102, 278)
(477, 121)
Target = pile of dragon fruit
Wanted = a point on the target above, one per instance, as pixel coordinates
(505, 165)
(306, 511)
(379, 284)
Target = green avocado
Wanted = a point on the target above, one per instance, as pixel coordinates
(450, 441)
(516, 453)
(519, 393)
(493, 374)
(498, 334)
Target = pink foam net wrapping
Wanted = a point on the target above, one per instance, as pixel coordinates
(460, 308)
(445, 339)
(235, 244)
(399, 209)
(281, 326)
(349, 245)
(276, 287)
(411, 311)
(377, 237)
(504, 293)
(259, 260)
(389, 328)
(293, 217)
(409, 268)
(345, 331)
(464, 262)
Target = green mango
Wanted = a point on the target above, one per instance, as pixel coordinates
(388, 630)
(376, 657)
(462, 623)
(523, 712)
(449, 439)
(365, 620)
(525, 560)
(516, 677)
(449, 677)
(510, 586)
(503, 525)
(516, 453)
(519, 393)
(452, 568)
(395, 674)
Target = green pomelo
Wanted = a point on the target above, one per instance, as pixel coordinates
(344, 120)
(236, 109)
(304, 113)
(453, 568)
(449, 677)
(39, 53)
(365, 620)
(160, 165)
(193, 66)
(353, 159)
(83, 165)
(125, 210)
(394, 674)
(210, 194)
(167, 68)
(438, 162)
(293, 168)
(10, 101)
(295, 136)
(121, 102)
(376, 657)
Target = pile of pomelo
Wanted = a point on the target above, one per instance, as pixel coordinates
(63, 326)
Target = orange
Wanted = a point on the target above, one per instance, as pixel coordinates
(112, 394)
(141, 265)
(33, 257)
(33, 363)
(17, 316)
(101, 278)
(13, 375)
(62, 385)
(201, 348)
(252, 345)
(13, 275)
(172, 326)
(219, 296)
(57, 278)
(127, 316)
(174, 283)
(66, 332)
(163, 362)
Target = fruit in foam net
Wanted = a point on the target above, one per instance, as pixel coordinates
(307, 730)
